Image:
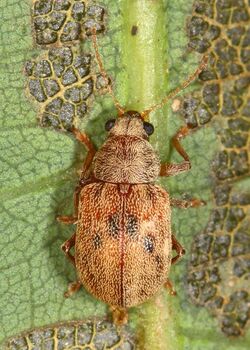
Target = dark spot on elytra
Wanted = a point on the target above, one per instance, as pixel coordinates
(148, 244)
(159, 262)
(132, 225)
(97, 241)
(113, 225)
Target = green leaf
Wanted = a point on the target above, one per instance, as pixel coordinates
(39, 171)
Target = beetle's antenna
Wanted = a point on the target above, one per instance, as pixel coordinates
(121, 111)
(175, 92)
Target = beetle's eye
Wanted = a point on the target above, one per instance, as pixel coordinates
(148, 128)
(109, 124)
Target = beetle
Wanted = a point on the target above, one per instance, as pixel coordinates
(123, 241)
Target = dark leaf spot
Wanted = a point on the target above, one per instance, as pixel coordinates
(134, 30)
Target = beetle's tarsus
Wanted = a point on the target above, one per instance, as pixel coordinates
(169, 169)
(72, 289)
(168, 285)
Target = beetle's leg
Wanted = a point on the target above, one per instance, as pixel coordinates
(168, 169)
(67, 220)
(120, 315)
(180, 252)
(76, 200)
(83, 138)
(181, 203)
(168, 285)
(67, 245)
(72, 288)
(178, 248)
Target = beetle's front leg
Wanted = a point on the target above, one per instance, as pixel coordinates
(168, 169)
(83, 138)
(67, 245)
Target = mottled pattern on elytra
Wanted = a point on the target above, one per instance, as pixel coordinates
(127, 268)
(126, 159)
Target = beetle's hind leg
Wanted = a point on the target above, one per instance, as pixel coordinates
(66, 246)
(120, 315)
(180, 252)
(169, 285)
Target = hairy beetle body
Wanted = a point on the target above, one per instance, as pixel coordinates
(123, 241)
(126, 159)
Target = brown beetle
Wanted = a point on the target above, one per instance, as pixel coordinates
(123, 242)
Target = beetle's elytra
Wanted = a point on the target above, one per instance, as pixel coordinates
(123, 241)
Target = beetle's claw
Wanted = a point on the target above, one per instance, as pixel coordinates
(72, 289)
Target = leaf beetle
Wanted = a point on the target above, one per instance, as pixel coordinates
(123, 241)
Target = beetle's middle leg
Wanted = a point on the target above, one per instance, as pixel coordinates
(168, 169)
(182, 203)
(178, 248)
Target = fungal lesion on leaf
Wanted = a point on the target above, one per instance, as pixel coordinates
(62, 84)
(61, 81)
(221, 29)
(65, 22)
(74, 335)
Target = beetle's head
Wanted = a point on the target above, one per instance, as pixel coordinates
(130, 123)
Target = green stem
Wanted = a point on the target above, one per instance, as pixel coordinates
(143, 55)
